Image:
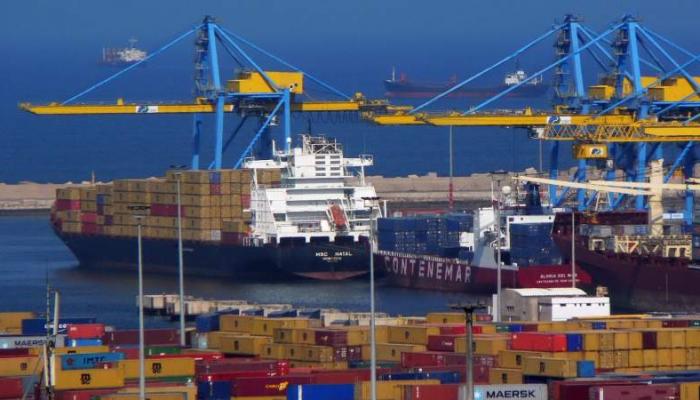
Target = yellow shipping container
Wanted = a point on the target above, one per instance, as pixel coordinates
(294, 335)
(551, 367)
(606, 341)
(514, 359)
(690, 391)
(485, 345)
(244, 345)
(679, 357)
(635, 339)
(214, 338)
(11, 322)
(621, 358)
(663, 358)
(20, 366)
(621, 340)
(649, 359)
(606, 359)
(388, 390)
(591, 341)
(692, 337)
(274, 350)
(693, 356)
(159, 367)
(390, 351)
(80, 350)
(89, 378)
(412, 334)
(636, 358)
(501, 376)
(445, 318)
(265, 326)
(236, 323)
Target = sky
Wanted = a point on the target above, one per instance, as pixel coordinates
(51, 47)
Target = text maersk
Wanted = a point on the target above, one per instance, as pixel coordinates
(510, 394)
(498, 392)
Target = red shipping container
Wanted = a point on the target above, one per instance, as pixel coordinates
(197, 356)
(232, 375)
(13, 352)
(665, 391)
(532, 341)
(245, 200)
(66, 205)
(232, 237)
(431, 392)
(90, 229)
(443, 342)
(88, 217)
(85, 394)
(11, 388)
(675, 323)
(481, 374)
(455, 329)
(86, 331)
(422, 359)
(152, 337)
(330, 337)
(278, 368)
(579, 390)
(214, 188)
(273, 386)
(648, 340)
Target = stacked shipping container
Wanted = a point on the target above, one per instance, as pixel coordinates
(214, 206)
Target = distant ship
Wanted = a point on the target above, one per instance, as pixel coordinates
(123, 56)
(405, 88)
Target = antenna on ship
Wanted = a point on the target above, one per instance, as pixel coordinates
(393, 74)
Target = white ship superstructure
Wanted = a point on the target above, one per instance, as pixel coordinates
(323, 196)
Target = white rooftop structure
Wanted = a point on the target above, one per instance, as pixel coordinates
(549, 292)
(551, 304)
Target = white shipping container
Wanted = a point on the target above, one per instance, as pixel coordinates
(23, 342)
(496, 392)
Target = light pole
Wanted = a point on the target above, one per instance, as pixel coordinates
(469, 310)
(139, 214)
(497, 225)
(573, 248)
(372, 321)
(451, 186)
(180, 261)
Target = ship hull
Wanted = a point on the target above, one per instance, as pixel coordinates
(453, 275)
(637, 283)
(407, 90)
(216, 259)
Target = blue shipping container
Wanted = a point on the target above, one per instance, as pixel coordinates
(574, 342)
(83, 342)
(207, 322)
(37, 326)
(283, 314)
(585, 369)
(258, 312)
(321, 392)
(311, 314)
(89, 360)
(599, 325)
(216, 390)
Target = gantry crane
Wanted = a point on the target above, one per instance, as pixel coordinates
(623, 120)
(253, 92)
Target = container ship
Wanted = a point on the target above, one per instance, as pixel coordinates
(405, 88)
(122, 56)
(644, 266)
(300, 214)
(459, 252)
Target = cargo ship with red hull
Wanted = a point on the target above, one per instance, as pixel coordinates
(300, 214)
(403, 87)
(643, 272)
(460, 252)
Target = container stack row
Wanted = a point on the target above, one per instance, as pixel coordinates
(428, 235)
(214, 206)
